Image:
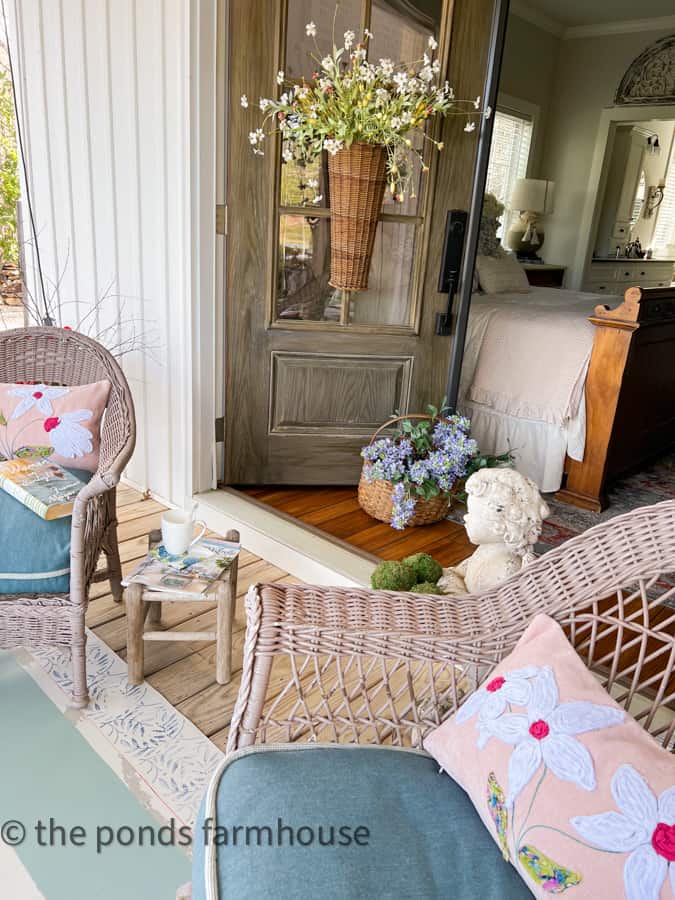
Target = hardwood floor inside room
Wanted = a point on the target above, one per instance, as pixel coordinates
(184, 673)
(335, 512)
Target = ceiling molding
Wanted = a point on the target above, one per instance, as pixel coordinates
(535, 17)
(524, 11)
(659, 23)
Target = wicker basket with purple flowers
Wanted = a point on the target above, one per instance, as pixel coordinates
(408, 477)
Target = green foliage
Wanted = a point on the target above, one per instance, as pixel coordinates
(425, 587)
(427, 569)
(9, 173)
(393, 576)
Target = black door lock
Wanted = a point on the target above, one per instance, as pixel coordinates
(451, 263)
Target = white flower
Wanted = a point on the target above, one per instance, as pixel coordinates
(327, 63)
(287, 154)
(313, 183)
(426, 74)
(396, 122)
(67, 436)
(491, 700)
(476, 103)
(263, 104)
(359, 53)
(318, 198)
(470, 126)
(37, 396)
(349, 39)
(310, 29)
(645, 828)
(545, 735)
(386, 67)
(256, 137)
(244, 101)
(436, 66)
(280, 77)
(433, 43)
(332, 146)
(368, 34)
(284, 99)
(401, 82)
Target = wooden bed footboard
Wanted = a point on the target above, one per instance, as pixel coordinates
(630, 393)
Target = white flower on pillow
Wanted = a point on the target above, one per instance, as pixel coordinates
(67, 436)
(492, 699)
(36, 396)
(645, 828)
(546, 734)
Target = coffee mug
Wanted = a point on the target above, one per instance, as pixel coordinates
(177, 531)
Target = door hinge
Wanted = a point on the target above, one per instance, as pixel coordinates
(220, 430)
(221, 219)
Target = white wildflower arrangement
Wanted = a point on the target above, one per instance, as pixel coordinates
(351, 99)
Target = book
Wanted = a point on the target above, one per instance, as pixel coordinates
(43, 486)
(191, 574)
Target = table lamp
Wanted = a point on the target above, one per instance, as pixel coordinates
(533, 197)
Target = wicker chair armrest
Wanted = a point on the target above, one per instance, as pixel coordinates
(93, 514)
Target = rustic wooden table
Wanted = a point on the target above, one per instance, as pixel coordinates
(144, 605)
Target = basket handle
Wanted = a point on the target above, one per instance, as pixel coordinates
(409, 416)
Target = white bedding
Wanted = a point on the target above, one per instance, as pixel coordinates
(525, 364)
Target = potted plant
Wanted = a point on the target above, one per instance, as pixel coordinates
(363, 114)
(408, 478)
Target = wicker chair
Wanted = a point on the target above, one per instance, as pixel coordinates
(57, 356)
(363, 666)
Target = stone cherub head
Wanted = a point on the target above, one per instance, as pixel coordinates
(504, 519)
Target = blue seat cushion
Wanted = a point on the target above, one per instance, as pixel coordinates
(424, 837)
(34, 553)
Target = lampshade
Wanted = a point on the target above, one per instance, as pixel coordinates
(533, 194)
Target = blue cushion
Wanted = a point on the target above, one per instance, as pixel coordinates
(425, 839)
(34, 553)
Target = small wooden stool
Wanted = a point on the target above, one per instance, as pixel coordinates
(142, 603)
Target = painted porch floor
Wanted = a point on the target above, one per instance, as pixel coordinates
(336, 512)
(183, 672)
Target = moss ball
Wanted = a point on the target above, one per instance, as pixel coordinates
(425, 566)
(425, 587)
(393, 576)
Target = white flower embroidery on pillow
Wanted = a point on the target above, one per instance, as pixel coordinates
(67, 436)
(36, 396)
(645, 828)
(546, 734)
(491, 700)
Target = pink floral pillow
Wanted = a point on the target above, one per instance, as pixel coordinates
(60, 423)
(576, 794)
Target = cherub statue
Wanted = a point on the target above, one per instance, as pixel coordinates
(505, 513)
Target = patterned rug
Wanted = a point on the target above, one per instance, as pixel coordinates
(644, 488)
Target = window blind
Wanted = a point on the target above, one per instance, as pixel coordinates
(509, 156)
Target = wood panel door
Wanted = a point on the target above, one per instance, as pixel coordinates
(311, 371)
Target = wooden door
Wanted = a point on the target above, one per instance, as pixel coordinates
(311, 371)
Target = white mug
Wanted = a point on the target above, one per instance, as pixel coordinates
(177, 531)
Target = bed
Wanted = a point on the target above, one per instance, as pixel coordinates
(579, 392)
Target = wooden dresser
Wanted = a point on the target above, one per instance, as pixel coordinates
(613, 276)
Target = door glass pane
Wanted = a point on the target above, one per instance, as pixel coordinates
(303, 292)
(401, 33)
(321, 12)
(302, 184)
(387, 300)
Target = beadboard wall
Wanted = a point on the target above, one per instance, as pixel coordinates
(117, 102)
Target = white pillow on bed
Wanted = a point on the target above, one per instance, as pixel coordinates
(501, 274)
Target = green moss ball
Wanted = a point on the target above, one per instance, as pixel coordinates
(393, 576)
(425, 587)
(425, 566)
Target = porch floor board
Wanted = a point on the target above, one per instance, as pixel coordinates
(336, 512)
(184, 673)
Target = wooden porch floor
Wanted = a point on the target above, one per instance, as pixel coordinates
(336, 512)
(183, 672)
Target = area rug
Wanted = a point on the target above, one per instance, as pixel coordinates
(652, 485)
(69, 825)
(129, 761)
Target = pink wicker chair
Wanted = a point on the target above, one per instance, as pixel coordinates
(382, 667)
(56, 356)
